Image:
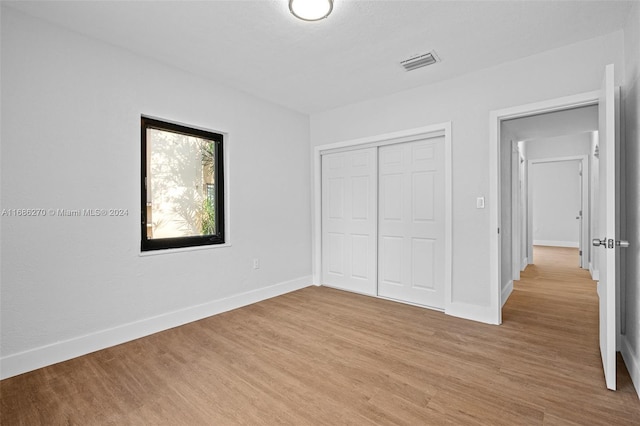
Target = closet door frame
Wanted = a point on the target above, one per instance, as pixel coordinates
(410, 135)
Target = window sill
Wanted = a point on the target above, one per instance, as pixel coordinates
(182, 249)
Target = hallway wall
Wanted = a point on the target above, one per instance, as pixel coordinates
(631, 157)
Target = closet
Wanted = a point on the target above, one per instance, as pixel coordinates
(383, 220)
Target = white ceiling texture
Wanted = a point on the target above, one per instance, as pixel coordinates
(353, 55)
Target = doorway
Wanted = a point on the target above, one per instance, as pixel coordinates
(550, 207)
(607, 99)
(558, 205)
(500, 201)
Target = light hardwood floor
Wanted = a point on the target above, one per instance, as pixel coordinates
(325, 357)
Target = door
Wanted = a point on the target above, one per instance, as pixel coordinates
(516, 255)
(523, 216)
(580, 219)
(349, 200)
(411, 227)
(607, 227)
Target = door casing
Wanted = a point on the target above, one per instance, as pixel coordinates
(495, 119)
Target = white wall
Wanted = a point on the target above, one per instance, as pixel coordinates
(631, 158)
(553, 124)
(466, 102)
(555, 203)
(70, 133)
(559, 146)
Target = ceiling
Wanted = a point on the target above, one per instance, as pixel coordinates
(353, 55)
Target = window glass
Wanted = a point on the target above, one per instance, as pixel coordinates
(182, 186)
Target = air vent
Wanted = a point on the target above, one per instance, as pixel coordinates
(420, 61)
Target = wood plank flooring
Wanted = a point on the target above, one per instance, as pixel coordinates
(321, 356)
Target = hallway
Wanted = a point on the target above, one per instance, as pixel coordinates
(556, 302)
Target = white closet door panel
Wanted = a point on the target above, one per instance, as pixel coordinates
(412, 222)
(360, 192)
(422, 260)
(423, 206)
(391, 197)
(336, 198)
(335, 259)
(390, 269)
(360, 256)
(349, 217)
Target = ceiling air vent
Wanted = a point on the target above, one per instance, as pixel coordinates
(420, 61)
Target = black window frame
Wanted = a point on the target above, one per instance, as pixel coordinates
(147, 244)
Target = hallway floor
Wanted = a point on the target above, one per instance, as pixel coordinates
(557, 299)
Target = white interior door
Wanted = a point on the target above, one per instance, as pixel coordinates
(524, 256)
(349, 224)
(607, 227)
(411, 227)
(580, 219)
(516, 255)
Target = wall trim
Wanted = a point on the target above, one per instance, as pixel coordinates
(506, 292)
(594, 272)
(553, 243)
(632, 362)
(480, 313)
(32, 359)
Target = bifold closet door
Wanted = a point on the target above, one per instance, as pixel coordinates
(349, 207)
(411, 229)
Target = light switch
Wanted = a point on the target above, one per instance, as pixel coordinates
(480, 203)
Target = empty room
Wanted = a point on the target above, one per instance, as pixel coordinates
(319, 212)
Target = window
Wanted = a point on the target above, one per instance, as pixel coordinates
(182, 186)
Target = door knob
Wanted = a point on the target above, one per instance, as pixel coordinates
(621, 243)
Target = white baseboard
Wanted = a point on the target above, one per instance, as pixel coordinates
(553, 243)
(524, 264)
(594, 273)
(506, 292)
(632, 362)
(472, 312)
(43, 356)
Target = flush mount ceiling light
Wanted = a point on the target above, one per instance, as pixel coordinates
(310, 10)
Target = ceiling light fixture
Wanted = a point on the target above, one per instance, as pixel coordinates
(310, 10)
